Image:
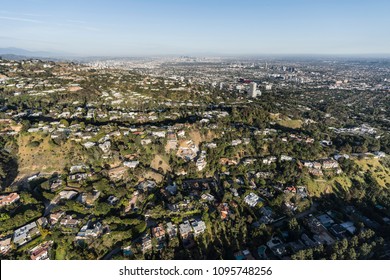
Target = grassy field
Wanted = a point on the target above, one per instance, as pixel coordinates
(197, 137)
(60, 253)
(285, 121)
(341, 183)
(155, 164)
(378, 171)
(45, 156)
(290, 123)
(317, 187)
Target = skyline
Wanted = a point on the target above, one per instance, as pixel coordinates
(134, 28)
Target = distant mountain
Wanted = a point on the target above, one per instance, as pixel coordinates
(16, 52)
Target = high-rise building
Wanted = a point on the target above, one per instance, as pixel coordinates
(253, 91)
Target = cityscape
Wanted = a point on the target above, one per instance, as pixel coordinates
(193, 156)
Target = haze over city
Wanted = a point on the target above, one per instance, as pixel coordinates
(194, 130)
(131, 28)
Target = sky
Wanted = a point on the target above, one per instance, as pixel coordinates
(197, 27)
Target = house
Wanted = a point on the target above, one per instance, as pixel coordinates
(187, 153)
(234, 192)
(185, 229)
(226, 161)
(55, 217)
(224, 210)
(208, 197)
(269, 160)
(349, 226)
(316, 172)
(326, 143)
(249, 161)
(244, 255)
(252, 199)
(146, 185)
(112, 200)
(131, 164)
(246, 141)
(317, 165)
(172, 189)
(181, 172)
(8, 199)
(337, 157)
(89, 145)
(323, 238)
(159, 134)
(5, 245)
(290, 206)
(69, 222)
(308, 241)
(264, 175)
(285, 158)
(78, 177)
(90, 230)
(201, 161)
(302, 191)
(146, 242)
(330, 164)
(41, 252)
(277, 246)
(146, 141)
(42, 222)
(267, 215)
(158, 233)
(78, 169)
(181, 133)
(337, 230)
(55, 185)
(379, 154)
(309, 140)
(314, 224)
(117, 173)
(211, 145)
(325, 220)
(198, 226)
(25, 233)
(291, 189)
(105, 146)
(171, 230)
(89, 198)
(308, 164)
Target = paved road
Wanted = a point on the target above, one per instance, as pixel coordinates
(109, 255)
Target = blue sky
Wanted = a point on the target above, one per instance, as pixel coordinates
(151, 27)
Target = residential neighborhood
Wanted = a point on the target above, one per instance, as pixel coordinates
(194, 158)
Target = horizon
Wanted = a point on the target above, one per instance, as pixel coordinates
(44, 54)
(219, 28)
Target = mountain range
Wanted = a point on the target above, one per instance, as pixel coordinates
(12, 52)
